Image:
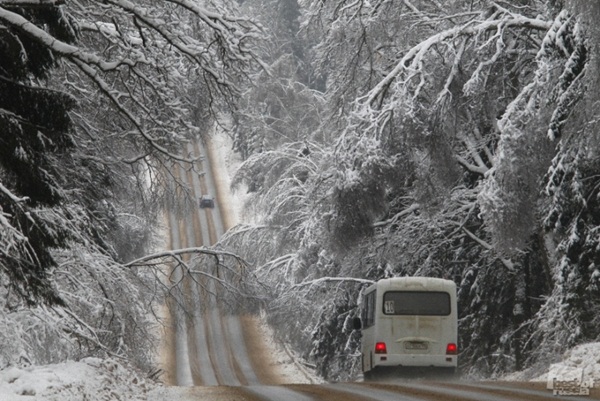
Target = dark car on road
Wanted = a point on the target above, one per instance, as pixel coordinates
(207, 201)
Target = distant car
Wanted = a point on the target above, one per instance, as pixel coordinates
(207, 201)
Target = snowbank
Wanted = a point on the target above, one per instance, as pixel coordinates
(581, 362)
(90, 379)
(224, 164)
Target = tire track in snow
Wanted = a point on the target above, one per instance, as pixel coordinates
(207, 335)
(200, 357)
(219, 335)
(183, 374)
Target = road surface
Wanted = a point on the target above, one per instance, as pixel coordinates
(410, 390)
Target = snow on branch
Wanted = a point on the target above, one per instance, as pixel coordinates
(109, 30)
(412, 208)
(193, 49)
(506, 262)
(409, 76)
(284, 260)
(151, 53)
(61, 48)
(144, 261)
(174, 269)
(327, 280)
(31, 3)
(219, 22)
(12, 196)
(13, 243)
(114, 97)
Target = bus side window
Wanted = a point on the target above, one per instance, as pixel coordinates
(368, 317)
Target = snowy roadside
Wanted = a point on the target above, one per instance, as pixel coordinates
(90, 379)
(580, 363)
(290, 366)
(224, 164)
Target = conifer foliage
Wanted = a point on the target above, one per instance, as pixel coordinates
(35, 132)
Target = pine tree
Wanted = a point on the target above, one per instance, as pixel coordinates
(35, 130)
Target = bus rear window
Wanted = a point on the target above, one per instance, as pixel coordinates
(424, 303)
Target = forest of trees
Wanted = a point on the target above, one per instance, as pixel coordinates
(449, 139)
(380, 138)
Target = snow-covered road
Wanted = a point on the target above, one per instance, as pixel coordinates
(208, 345)
(400, 391)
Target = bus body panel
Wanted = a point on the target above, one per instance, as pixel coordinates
(418, 340)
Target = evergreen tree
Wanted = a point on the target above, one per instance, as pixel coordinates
(35, 131)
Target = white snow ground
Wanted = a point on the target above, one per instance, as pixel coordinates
(581, 363)
(583, 360)
(94, 379)
(90, 379)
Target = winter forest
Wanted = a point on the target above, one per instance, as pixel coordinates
(379, 138)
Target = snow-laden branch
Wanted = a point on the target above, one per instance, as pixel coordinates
(114, 97)
(409, 72)
(59, 47)
(12, 196)
(194, 50)
(285, 260)
(149, 58)
(415, 10)
(219, 22)
(243, 228)
(510, 266)
(143, 261)
(31, 3)
(479, 169)
(13, 243)
(109, 30)
(397, 216)
(92, 65)
(327, 280)
(445, 92)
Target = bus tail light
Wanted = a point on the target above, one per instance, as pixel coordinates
(380, 348)
(451, 349)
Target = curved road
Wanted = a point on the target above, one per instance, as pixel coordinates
(216, 356)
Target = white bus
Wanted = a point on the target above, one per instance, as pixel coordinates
(409, 322)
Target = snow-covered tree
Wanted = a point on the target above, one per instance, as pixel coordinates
(96, 99)
(36, 130)
(282, 105)
(457, 142)
(569, 197)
